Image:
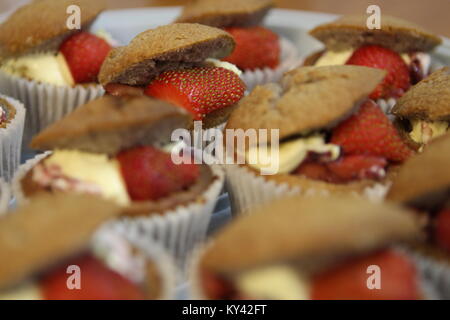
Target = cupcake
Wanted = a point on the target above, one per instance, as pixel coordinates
(119, 148)
(42, 263)
(12, 119)
(423, 113)
(177, 63)
(399, 47)
(261, 53)
(50, 68)
(312, 248)
(423, 184)
(330, 138)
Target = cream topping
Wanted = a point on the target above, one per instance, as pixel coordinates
(225, 65)
(75, 171)
(43, 67)
(26, 291)
(290, 154)
(423, 132)
(274, 283)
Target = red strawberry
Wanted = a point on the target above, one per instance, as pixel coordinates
(355, 167)
(370, 132)
(199, 90)
(442, 231)
(315, 171)
(256, 47)
(397, 80)
(85, 54)
(215, 287)
(349, 280)
(98, 282)
(150, 173)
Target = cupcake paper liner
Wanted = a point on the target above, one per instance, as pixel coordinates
(108, 238)
(289, 60)
(178, 231)
(11, 140)
(247, 190)
(435, 272)
(46, 103)
(5, 197)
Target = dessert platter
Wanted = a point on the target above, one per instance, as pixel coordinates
(89, 178)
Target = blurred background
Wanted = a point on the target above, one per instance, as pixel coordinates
(432, 14)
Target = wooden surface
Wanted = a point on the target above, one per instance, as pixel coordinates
(432, 14)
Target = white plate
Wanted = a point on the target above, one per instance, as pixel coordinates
(293, 24)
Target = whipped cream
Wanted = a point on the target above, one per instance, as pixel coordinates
(26, 291)
(278, 282)
(290, 154)
(224, 64)
(423, 132)
(332, 58)
(82, 172)
(119, 255)
(43, 67)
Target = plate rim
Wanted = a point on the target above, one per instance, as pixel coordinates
(274, 15)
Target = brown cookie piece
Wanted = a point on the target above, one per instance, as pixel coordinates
(47, 229)
(308, 228)
(396, 34)
(41, 26)
(424, 180)
(111, 124)
(169, 47)
(226, 13)
(308, 99)
(428, 100)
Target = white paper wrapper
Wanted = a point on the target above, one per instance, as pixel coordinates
(11, 140)
(178, 231)
(117, 248)
(5, 197)
(289, 60)
(46, 103)
(247, 190)
(437, 273)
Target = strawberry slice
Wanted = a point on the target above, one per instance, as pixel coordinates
(356, 167)
(85, 53)
(397, 80)
(98, 282)
(199, 90)
(256, 48)
(215, 287)
(315, 171)
(349, 280)
(442, 231)
(370, 132)
(150, 174)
